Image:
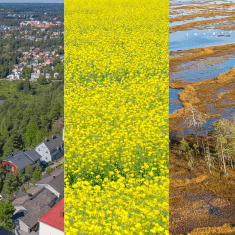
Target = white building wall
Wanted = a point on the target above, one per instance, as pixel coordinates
(45, 229)
(19, 208)
(44, 152)
(49, 188)
(23, 226)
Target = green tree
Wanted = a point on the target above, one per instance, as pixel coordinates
(42, 80)
(28, 172)
(30, 135)
(59, 68)
(3, 71)
(6, 211)
(57, 61)
(10, 184)
(26, 72)
(37, 174)
(20, 176)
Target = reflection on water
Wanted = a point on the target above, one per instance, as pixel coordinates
(174, 102)
(196, 71)
(186, 40)
(193, 20)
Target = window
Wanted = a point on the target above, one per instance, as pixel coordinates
(46, 158)
(39, 149)
(12, 168)
(46, 151)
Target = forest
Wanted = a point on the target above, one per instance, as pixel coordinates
(27, 117)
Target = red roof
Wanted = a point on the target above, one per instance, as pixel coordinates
(51, 60)
(53, 217)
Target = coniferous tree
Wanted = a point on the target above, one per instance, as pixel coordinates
(28, 172)
(6, 211)
(37, 174)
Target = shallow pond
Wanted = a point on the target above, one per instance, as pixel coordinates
(185, 40)
(196, 71)
(193, 20)
(174, 102)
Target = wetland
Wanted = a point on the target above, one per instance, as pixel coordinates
(202, 82)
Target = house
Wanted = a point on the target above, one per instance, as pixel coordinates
(48, 61)
(38, 71)
(23, 63)
(21, 160)
(25, 52)
(3, 231)
(53, 221)
(41, 54)
(30, 206)
(34, 63)
(11, 76)
(51, 148)
(53, 182)
(56, 74)
(47, 75)
(26, 56)
(34, 76)
(47, 50)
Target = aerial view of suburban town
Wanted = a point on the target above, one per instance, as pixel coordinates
(32, 118)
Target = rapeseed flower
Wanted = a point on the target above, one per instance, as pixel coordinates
(116, 117)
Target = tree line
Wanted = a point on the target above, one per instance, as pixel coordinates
(216, 143)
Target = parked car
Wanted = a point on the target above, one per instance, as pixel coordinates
(1, 198)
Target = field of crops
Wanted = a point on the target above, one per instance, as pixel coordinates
(116, 117)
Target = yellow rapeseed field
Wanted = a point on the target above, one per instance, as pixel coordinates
(116, 117)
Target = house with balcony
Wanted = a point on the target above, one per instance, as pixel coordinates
(50, 149)
(21, 160)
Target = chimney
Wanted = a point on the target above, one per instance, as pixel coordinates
(46, 139)
(30, 196)
(53, 176)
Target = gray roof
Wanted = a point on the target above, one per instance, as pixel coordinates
(21, 159)
(32, 154)
(55, 179)
(53, 143)
(37, 206)
(24, 195)
(20, 194)
(3, 231)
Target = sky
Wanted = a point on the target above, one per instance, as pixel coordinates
(31, 1)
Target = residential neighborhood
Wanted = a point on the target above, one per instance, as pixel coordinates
(31, 118)
(39, 62)
(32, 205)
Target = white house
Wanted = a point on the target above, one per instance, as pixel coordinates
(53, 221)
(51, 148)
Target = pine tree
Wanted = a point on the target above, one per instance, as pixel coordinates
(28, 172)
(10, 185)
(37, 174)
(6, 211)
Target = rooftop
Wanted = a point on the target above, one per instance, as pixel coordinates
(54, 217)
